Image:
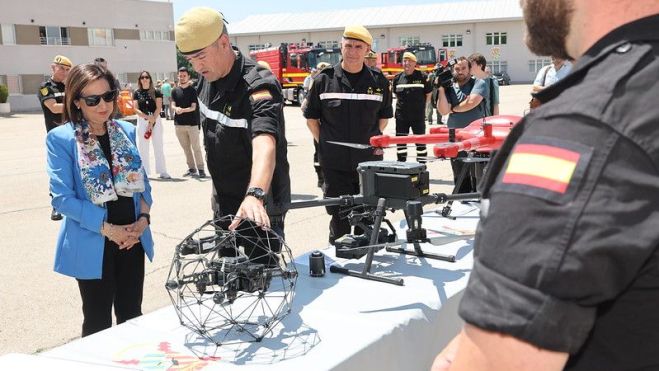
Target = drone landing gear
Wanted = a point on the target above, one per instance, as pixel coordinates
(473, 168)
(416, 234)
(366, 274)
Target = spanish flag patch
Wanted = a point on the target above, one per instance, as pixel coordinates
(261, 94)
(541, 166)
(549, 168)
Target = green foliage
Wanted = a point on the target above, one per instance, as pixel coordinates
(182, 62)
(4, 93)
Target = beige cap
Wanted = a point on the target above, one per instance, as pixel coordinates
(264, 64)
(197, 28)
(358, 33)
(410, 56)
(371, 55)
(62, 60)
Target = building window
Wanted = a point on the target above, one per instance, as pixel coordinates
(253, 47)
(154, 35)
(409, 40)
(498, 66)
(100, 37)
(451, 40)
(13, 83)
(496, 38)
(53, 35)
(536, 64)
(8, 34)
(328, 44)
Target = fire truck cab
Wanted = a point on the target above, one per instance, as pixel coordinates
(292, 63)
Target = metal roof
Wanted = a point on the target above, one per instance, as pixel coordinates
(389, 16)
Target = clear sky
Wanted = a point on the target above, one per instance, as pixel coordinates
(236, 10)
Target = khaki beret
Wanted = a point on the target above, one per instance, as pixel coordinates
(358, 33)
(410, 56)
(371, 55)
(197, 28)
(62, 60)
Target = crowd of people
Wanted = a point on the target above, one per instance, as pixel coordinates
(555, 292)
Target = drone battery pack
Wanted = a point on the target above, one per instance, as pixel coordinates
(398, 182)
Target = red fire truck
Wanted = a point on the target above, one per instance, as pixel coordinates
(291, 63)
(392, 60)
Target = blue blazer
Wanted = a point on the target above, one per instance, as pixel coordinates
(80, 244)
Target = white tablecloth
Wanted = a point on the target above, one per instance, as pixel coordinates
(337, 323)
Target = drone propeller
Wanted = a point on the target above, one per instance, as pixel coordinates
(353, 145)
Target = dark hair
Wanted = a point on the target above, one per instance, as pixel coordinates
(460, 59)
(152, 88)
(184, 69)
(479, 59)
(99, 60)
(79, 77)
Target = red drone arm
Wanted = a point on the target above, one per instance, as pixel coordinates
(383, 141)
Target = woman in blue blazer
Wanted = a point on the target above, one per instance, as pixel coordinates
(99, 185)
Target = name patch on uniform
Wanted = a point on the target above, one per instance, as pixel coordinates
(548, 168)
(43, 91)
(260, 95)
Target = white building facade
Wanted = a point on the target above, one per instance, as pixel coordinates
(493, 28)
(132, 35)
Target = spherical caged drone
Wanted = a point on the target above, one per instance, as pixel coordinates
(232, 286)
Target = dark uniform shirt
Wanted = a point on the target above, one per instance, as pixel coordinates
(245, 103)
(50, 89)
(348, 113)
(145, 103)
(566, 254)
(411, 95)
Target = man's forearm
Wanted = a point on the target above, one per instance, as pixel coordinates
(442, 103)
(314, 128)
(264, 152)
(382, 123)
(468, 104)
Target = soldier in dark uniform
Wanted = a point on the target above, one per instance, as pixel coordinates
(412, 90)
(350, 103)
(566, 271)
(51, 92)
(241, 107)
(51, 97)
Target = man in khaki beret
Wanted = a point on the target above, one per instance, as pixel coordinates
(413, 91)
(51, 97)
(371, 59)
(348, 102)
(241, 107)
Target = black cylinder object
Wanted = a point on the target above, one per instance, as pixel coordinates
(316, 264)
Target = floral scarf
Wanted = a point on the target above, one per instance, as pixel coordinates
(100, 185)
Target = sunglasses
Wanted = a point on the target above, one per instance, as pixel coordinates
(145, 78)
(94, 100)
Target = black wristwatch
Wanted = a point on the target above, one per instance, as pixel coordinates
(256, 192)
(147, 216)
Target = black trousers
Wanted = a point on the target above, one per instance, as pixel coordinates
(402, 129)
(339, 183)
(469, 181)
(121, 285)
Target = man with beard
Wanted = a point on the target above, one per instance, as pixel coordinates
(464, 102)
(566, 270)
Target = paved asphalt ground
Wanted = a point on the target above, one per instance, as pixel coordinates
(40, 309)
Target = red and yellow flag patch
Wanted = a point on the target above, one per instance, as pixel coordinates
(541, 166)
